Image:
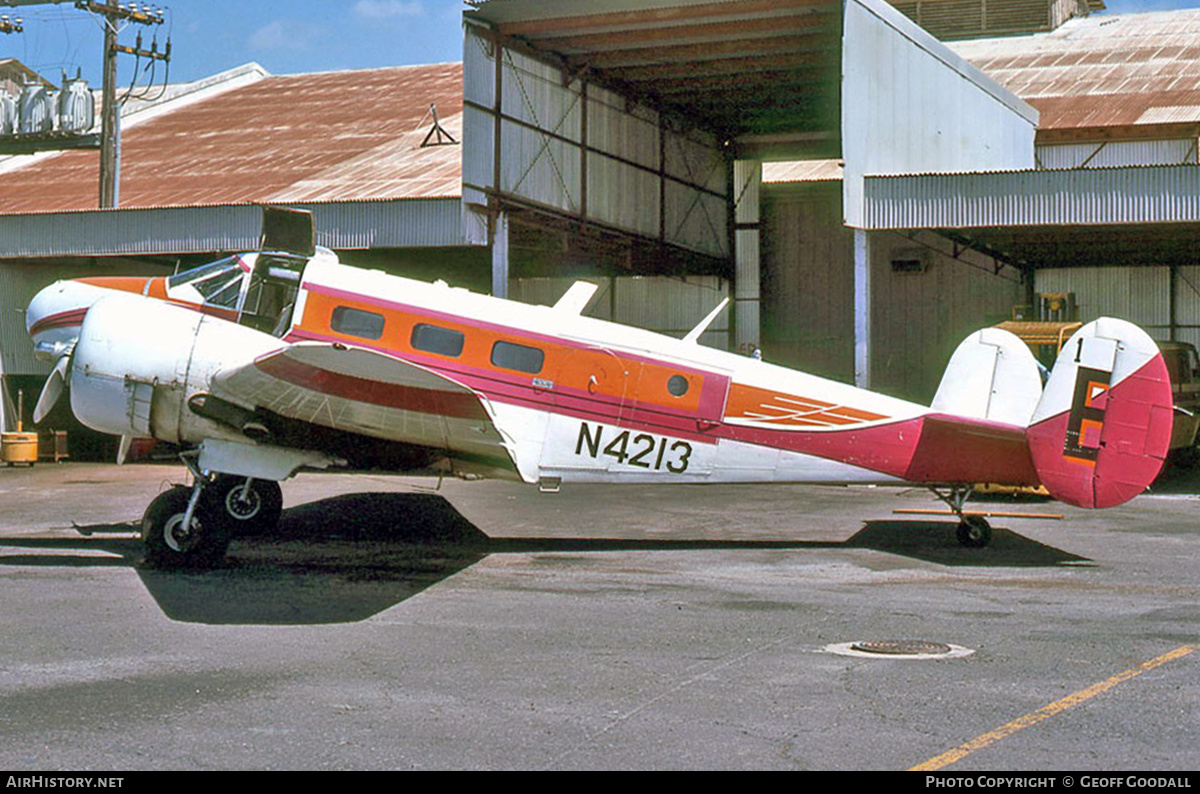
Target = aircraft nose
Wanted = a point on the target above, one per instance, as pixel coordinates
(55, 314)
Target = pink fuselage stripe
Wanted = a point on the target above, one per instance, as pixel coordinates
(67, 319)
(922, 449)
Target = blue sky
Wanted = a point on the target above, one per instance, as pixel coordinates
(208, 36)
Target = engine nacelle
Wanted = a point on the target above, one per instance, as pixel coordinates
(138, 360)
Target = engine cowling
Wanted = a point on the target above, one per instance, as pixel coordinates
(138, 360)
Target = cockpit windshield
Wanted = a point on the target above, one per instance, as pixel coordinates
(217, 283)
(255, 289)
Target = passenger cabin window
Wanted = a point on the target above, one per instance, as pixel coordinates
(356, 322)
(434, 339)
(520, 358)
(678, 385)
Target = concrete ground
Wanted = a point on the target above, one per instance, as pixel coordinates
(488, 626)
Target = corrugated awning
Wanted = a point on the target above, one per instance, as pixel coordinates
(1140, 215)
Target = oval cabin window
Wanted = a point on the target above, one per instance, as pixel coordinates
(519, 358)
(435, 339)
(356, 322)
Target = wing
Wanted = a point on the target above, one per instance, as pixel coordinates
(365, 392)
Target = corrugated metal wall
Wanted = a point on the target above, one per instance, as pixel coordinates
(1117, 153)
(958, 18)
(586, 152)
(808, 282)
(419, 223)
(917, 318)
(1187, 304)
(1084, 196)
(668, 305)
(1141, 295)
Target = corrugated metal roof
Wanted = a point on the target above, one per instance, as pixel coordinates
(1101, 71)
(335, 136)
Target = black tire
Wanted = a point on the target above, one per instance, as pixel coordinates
(974, 532)
(167, 547)
(247, 513)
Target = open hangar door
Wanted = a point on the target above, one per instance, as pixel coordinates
(601, 140)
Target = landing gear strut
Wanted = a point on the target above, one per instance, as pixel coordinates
(191, 527)
(974, 532)
(182, 528)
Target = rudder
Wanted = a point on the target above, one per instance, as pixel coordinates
(1100, 433)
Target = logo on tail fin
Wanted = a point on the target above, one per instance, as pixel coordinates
(1082, 441)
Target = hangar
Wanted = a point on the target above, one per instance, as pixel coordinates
(867, 193)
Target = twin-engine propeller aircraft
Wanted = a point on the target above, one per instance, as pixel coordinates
(262, 364)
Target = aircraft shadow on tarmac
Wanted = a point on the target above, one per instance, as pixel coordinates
(346, 558)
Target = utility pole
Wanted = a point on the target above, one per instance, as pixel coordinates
(110, 110)
(110, 119)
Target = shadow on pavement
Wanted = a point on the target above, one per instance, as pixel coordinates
(346, 558)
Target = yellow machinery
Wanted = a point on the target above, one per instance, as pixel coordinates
(19, 447)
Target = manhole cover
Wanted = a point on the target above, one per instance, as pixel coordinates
(898, 649)
(901, 647)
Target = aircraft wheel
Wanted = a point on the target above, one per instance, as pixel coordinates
(974, 532)
(250, 511)
(170, 545)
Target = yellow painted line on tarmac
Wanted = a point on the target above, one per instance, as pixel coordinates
(1048, 711)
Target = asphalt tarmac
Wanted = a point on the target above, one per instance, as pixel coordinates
(389, 625)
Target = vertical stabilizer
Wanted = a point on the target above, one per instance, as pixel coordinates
(1101, 431)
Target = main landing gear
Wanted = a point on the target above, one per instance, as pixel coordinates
(974, 532)
(191, 527)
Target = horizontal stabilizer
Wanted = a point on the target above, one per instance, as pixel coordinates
(993, 376)
(1101, 431)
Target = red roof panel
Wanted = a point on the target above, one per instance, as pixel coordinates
(330, 136)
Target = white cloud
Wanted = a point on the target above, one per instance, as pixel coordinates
(388, 9)
(281, 34)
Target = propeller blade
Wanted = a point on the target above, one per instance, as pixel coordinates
(55, 385)
(123, 449)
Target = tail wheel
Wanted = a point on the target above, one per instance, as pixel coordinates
(250, 506)
(169, 544)
(974, 532)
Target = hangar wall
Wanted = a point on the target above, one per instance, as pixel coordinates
(921, 312)
(1141, 295)
(668, 305)
(544, 139)
(922, 306)
(808, 282)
